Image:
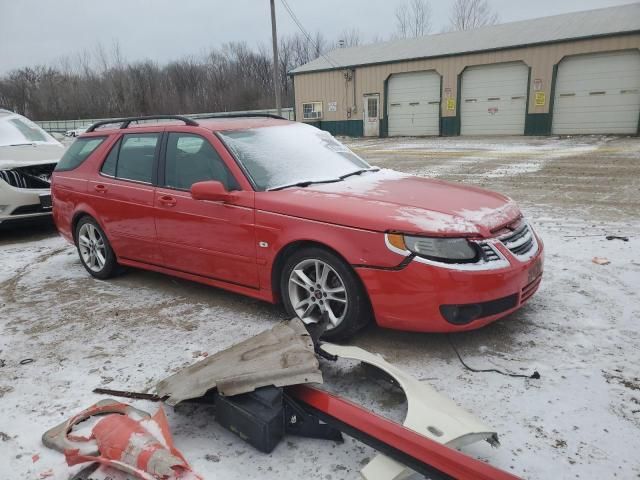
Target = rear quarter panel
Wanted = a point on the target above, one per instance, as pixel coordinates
(69, 189)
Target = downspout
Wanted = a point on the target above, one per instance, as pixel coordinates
(552, 95)
(353, 77)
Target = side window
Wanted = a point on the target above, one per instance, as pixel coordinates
(135, 157)
(109, 165)
(78, 152)
(190, 159)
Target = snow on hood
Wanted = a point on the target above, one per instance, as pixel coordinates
(388, 200)
(25, 155)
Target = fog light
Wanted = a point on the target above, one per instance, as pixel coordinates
(461, 314)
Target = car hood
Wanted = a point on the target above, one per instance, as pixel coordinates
(391, 201)
(25, 155)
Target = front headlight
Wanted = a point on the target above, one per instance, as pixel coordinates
(450, 250)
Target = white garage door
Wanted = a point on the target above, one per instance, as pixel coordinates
(414, 104)
(598, 94)
(494, 99)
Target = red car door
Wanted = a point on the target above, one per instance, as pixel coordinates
(211, 239)
(123, 196)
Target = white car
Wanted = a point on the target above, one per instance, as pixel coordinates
(28, 156)
(76, 132)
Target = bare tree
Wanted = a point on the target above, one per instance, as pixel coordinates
(468, 14)
(102, 83)
(413, 19)
(349, 38)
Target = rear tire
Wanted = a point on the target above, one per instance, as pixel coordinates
(314, 282)
(94, 249)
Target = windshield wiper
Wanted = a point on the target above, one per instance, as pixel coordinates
(358, 172)
(304, 183)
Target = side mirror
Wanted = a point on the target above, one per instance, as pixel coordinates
(211, 190)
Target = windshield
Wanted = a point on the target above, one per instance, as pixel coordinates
(280, 156)
(17, 130)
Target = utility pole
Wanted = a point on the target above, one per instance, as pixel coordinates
(274, 38)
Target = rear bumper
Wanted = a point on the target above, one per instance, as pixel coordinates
(21, 203)
(426, 298)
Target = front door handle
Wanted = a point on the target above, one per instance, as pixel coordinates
(168, 201)
(100, 188)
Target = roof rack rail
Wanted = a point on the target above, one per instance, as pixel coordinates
(124, 122)
(238, 115)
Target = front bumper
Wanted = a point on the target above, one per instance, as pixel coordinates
(22, 203)
(411, 298)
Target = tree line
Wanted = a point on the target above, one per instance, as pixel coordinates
(101, 83)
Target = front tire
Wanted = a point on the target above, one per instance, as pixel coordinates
(316, 282)
(94, 249)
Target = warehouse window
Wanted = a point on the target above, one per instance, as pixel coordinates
(372, 107)
(312, 110)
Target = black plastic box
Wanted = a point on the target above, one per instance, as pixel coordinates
(256, 417)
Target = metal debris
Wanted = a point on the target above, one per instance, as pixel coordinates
(281, 356)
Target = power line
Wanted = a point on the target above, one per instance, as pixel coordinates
(306, 34)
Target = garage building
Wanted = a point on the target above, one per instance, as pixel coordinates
(577, 73)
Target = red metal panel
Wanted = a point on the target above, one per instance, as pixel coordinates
(441, 457)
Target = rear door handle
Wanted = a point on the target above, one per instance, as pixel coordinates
(168, 201)
(100, 188)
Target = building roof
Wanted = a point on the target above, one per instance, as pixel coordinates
(569, 26)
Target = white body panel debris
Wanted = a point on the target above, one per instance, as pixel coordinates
(428, 413)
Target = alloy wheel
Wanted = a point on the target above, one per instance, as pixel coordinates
(316, 288)
(92, 247)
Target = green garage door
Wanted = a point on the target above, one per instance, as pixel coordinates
(597, 93)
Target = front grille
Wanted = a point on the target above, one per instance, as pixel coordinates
(34, 176)
(13, 178)
(488, 253)
(520, 241)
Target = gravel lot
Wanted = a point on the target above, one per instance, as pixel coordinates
(580, 420)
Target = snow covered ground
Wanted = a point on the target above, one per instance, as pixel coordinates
(581, 419)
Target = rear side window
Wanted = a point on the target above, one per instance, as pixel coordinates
(109, 165)
(78, 152)
(132, 157)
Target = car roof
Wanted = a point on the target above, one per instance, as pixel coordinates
(214, 124)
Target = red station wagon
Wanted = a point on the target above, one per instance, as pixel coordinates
(282, 211)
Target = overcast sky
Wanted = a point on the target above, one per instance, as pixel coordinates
(44, 31)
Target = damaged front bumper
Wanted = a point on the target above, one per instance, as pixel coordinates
(25, 192)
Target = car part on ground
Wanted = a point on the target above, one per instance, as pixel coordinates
(264, 416)
(281, 356)
(420, 453)
(428, 413)
(257, 387)
(125, 439)
(59, 438)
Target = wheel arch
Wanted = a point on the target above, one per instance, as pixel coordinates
(84, 211)
(289, 248)
(77, 216)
